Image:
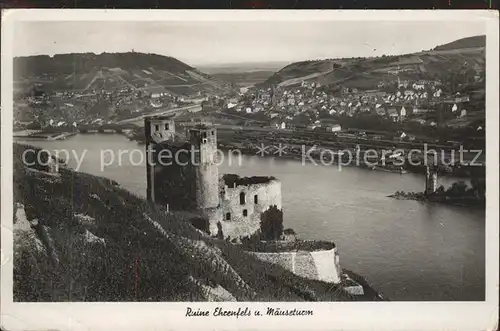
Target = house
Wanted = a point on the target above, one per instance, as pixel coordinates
(422, 110)
(258, 108)
(438, 93)
(156, 92)
(333, 127)
(402, 112)
(419, 120)
(463, 113)
(393, 114)
(278, 124)
(459, 99)
(418, 86)
(380, 111)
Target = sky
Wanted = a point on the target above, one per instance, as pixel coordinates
(232, 42)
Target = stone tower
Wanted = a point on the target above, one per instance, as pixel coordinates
(157, 130)
(203, 140)
(430, 180)
(182, 173)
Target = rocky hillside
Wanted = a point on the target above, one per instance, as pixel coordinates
(464, 57)
(85, 72)
(82, 238)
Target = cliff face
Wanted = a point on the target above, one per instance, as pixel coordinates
(82, 238)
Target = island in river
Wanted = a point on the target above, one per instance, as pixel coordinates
(459, 193)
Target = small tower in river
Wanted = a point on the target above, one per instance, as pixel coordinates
(430, 180)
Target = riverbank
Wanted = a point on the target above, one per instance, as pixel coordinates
(41, 135)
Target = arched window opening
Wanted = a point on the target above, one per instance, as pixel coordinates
(242, 198)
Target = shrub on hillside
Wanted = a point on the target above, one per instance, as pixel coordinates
(271, 224)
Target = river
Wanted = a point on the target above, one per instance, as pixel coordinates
(408, 250)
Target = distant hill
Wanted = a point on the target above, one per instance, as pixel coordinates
(232, 68)
(240, 79)
(243, 74)
(470, 42)
(87, 71)
(366, 73)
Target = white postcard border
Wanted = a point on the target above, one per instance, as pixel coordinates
(327, 316)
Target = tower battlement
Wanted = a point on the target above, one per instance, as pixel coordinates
(159, 128)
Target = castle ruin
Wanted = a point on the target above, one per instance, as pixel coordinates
(183, 174)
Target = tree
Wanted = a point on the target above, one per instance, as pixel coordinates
(271, 223)
(478, 187)
(457, 189)
(440, 190)
(220, 234)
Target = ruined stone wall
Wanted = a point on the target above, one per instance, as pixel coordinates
(321, 265)
(239, 225)
(268, 194)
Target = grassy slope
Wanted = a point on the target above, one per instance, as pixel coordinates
(137, 262)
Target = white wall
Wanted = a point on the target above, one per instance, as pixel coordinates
(320, 265)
